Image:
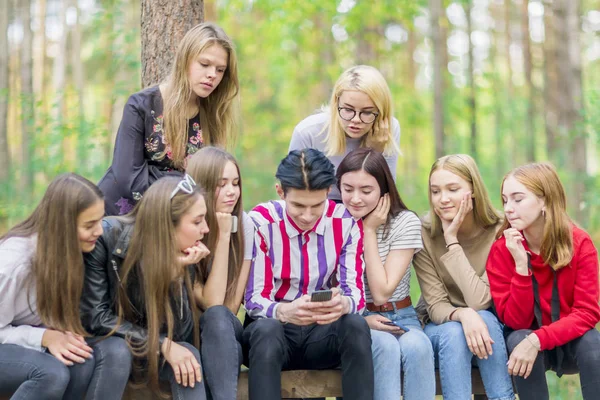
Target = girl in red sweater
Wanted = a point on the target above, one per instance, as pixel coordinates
(543, 274)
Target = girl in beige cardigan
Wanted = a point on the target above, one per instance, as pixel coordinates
(456, 302)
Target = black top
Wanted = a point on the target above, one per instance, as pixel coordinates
(141, 153)
(98, 306)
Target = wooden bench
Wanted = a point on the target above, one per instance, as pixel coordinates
(301, 384)
(308, 384)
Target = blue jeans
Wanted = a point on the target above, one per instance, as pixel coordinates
(221, 352)
(30, 374)
(411, 353)
(180, 392)
(455, 359)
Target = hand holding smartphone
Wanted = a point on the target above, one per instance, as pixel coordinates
(321, 295)
(398, 324)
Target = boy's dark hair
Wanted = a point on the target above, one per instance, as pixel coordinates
(306, 169)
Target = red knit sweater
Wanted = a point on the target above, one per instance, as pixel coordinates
(577, 289)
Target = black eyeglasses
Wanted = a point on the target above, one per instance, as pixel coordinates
(366, 117)
(186, 185)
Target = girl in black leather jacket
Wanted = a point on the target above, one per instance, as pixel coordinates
(139, 279)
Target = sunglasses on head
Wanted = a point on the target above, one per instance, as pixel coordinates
(186, 185)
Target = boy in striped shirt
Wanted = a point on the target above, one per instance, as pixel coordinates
(305, 243)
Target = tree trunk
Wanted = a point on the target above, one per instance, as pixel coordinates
(164, 23)
(531, 92)
(4, 90)
(59, 72)
(80, 155)
(472, 100)
(551, 91)
(27, 98)
(568, 53)
(39, 59)
(439, 49)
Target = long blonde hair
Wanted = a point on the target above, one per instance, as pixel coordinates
(368, 80)
(219, 111)
(148, 267)
(463, 165)
(206, 168)
(57, 266)
(557, 239)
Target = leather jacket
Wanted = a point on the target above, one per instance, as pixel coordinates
(102, 280)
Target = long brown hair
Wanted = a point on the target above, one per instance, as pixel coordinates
(57, 266)
(463, 165)
(557, 239)
(373, 163)
(206, 167)
(149, 263)
(218, 112)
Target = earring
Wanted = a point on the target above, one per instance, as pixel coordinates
(544, 213)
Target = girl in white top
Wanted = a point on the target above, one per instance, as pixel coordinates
(44, 350)
(359, 114)
(392, 235)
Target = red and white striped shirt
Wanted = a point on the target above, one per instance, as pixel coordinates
(288, 262)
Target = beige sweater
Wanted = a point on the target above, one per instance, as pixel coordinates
(452, 278)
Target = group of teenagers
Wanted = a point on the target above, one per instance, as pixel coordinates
(141, 277)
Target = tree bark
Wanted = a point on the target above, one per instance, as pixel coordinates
(164, 23)
(551, 91)
(472, 99)
(531, 92)
(59, 72)
(39, 59)
(4, 91)
(27, 98)
(439, 50)
(568, 53)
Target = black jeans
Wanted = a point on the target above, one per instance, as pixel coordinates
(221, 352)
(582, 356)
(270, 347)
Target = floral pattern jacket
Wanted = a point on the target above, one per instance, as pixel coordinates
(142, 155)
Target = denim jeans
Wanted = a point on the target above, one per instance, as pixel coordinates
(270, 347)
(30, 374)
(455, 359)
(411, 353)
(221, 352)
(180, 392)
(582, 355)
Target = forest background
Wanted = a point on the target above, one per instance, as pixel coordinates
(506, 81)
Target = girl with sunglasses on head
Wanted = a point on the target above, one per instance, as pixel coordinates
(543, 272)
(392, 235)
(223, 274)
(45, 352)
(139, 283)
(456, 304)
(359, 114)
(196, 105)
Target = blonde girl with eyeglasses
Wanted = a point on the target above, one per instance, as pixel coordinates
(359, 114)
(139, 284)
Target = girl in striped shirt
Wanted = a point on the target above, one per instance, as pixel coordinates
(392, 235)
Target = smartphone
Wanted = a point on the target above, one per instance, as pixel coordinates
(234, 224)
(398, 324)
(321, 295)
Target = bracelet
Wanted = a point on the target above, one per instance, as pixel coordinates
(450, 244)
(538, 348)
